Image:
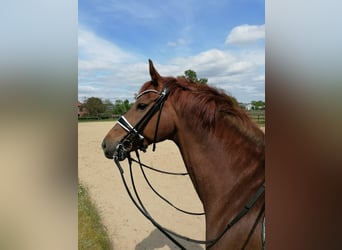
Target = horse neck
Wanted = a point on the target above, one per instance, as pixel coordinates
(226, 171)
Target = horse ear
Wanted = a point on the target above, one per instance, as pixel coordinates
(154, 74)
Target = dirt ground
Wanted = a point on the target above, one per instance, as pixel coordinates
(127, 228)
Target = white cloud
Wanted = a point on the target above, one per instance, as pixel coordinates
(245, 34)
(96, 52)
(105, 69)
(108, 71)
(239, 73)
(87, 90)
(260, 78)
(214, 63)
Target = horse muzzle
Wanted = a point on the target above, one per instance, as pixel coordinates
(108, 149)
(126, 146)
(122, 150)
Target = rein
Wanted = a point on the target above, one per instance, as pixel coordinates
(134, 135)
(155, 191)
(169, 233)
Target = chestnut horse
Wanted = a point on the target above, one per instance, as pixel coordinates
(222, 149)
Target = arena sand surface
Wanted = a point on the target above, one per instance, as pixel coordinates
(127, 227)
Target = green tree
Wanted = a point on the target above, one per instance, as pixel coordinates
(117, 109)
(109, 105)
(192, 76)
(258, 104)
(95, 106)
(107, 102)
(127, 105)
(120, 107)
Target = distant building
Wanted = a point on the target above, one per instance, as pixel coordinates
(249, 106)
(81, 110)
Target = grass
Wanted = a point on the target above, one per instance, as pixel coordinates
(92, 234)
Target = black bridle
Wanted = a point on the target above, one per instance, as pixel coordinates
(134, 135)
(134, 139)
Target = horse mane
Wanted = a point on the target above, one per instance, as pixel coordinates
(206, 105)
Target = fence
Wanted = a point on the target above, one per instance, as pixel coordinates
(258, 116)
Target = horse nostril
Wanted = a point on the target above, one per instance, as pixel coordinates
(103, 145)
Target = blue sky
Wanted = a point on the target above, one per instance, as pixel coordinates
(222, 40)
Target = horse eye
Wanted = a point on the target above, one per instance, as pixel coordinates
(142, 106)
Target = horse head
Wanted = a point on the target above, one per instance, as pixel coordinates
(150, 119)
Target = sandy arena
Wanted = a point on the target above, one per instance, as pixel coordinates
(127, 228)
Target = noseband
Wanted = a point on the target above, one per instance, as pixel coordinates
(134, 135)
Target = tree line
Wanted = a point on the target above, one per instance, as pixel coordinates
(258, 105)
(105, 109)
